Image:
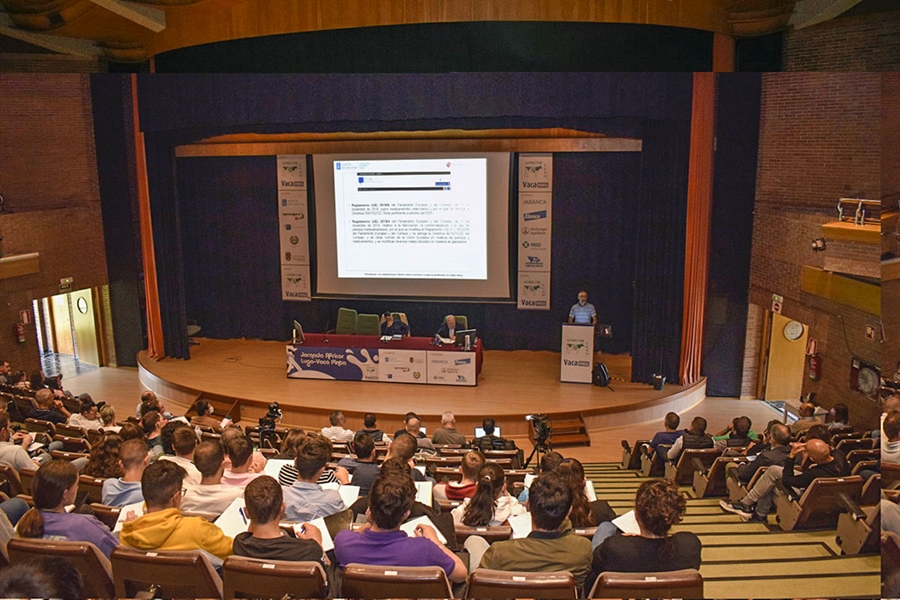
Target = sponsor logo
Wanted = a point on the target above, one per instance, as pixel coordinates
(291, 294)
(525, 302)
(287, 256)
(295, 280)
(461, 379)
(575, 346)
(527, 244)
(462, 361)
(287, 183)
(539, 185)
(290, 168)
(533, 216)
(534, 169)
(576, 363)
(524, 231)
(390, 376)
(287, 227)
(528, 201)
(337, 166)
(534, 262)
(416, 375)
(295, 240)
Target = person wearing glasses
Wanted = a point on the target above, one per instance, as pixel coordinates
(337, 432)
(163, 527)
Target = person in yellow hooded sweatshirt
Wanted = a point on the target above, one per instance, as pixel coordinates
(163, 527)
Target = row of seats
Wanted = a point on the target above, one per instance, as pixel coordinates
(350, 322)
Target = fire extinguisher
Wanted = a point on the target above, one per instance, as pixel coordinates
(815, 366)
(19, 332)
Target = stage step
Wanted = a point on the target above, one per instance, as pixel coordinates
(566, 430)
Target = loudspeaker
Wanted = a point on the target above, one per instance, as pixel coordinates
(659, 381)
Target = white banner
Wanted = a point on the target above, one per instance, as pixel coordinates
(535, 230)
(451, 368)
(293, 227)
(577, 353)
(406, 366)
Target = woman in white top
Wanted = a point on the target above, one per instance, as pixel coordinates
(491, 505)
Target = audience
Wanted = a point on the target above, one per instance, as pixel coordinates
(370, 426)
(890, 441)
(204, 416)
(152, 423)
(552, 544)
(211, 496)
(163, 527)
(694, 438)
(658, 505)
(337, 433)
(232, 432)
(108, 419)
(49, 408)
(807, 419)
(45, 577)
(491, 505)
(464, 488)
(55, 487)
(287, 475)
(125, 490)
(184, 442)
(131, 431)
(447, 433)
(381, 542)
(840, 418)
(666, 437)
(12, 453)
(584, 512)
(265, 538)
(777, 454)
(240, 452)
(737, 435)
(4, 372)
(363, 469)
(489, 441)
(549, 461)
(413, 431)
(404, 447)
(413, 428)
(306, 499)
(88, 416)
(104, 457)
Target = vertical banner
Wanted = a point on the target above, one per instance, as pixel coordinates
(293, 228)
(535, 225)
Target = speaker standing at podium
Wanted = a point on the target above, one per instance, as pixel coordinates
(583, 313)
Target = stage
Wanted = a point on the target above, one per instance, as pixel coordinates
(512, 384)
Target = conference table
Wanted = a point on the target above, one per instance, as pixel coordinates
(368, 358)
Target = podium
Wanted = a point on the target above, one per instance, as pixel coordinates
(576, 353)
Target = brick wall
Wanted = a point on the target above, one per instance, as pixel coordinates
(861, 43)
(49, 179)
(820, 139)
(752, 344)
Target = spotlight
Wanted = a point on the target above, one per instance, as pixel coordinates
(818, 245)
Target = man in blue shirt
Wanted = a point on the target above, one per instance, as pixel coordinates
(583, 313)
(390, 326)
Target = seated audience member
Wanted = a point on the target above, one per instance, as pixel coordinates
(306, 499)
(414, 431)
(738, 435)
(4, 372)
(585, 513)
(667, 438)
(148, 402)
(549, 462)
(167, 436)
(888, 404)
(108, 419)
(820, 431)
(232, 432)
(204, 416)
(777, 454)
(890, 440)
(12, 453)
(370, 426)
(807, 419)
(125, 490)
(413, 428)
(658, 505)
(447, 433)
(211, 496)
(240, 452)
(152, 423)
(840, 420)
(491, 505)
(264, 538)
(163, 527)
(17, 379)
(49, 408)
(381, 542)
(393, 466)
(287, 475)
(44, 577)
(55, 486)
(757, 504)
(392, 326)
(88, 416)
(131, 431)
(404, 447)
(763, 442)
(552, 544)
(489, 441)
(363, 469)
(464, 488)
(336, 432)
(184, 442)
(104, 459)
(694, 438)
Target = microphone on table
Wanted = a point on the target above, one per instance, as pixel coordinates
(327, 327)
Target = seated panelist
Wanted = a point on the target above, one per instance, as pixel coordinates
(391, 326)
(448, 328)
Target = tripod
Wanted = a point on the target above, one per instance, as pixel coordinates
(541, 447)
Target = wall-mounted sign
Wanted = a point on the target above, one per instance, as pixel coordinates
(65, 285)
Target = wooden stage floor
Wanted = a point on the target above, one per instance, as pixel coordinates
(512, 384)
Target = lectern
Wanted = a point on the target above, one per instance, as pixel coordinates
(576, 353)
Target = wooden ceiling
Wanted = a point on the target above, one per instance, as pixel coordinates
(130, 31)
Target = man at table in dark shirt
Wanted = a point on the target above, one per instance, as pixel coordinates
(264, 504)
(391, 326)
(369, 426)
(363, 469)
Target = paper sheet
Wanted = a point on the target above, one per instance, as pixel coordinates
(424, 491)
(521, 525)
(410, 527)
(627, 523)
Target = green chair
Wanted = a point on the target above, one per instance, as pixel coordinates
(346, 321)
(368, 325)
(462, 322)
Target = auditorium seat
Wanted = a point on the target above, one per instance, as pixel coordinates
(859, 529)
(497, 533)
(737, 490)
(497, 456)
(166, 574)
(108, 515)
(631, 455)
(73, 444)
(447, 474)
(367, 324)
(847, 445)
(683, 472)
(26, 476)
(11, 477)
(93, 486)
(462, 322)
(346, 321)
(857, 456)
(819, 506)
(256, 578)
(890, 473)
(488, 583)
(71, 431)
(649, 464)
(70, 456)
(448, 505)
(368, 581)
(709, 481)
(684, 583)
(39, 425)
(87, 559)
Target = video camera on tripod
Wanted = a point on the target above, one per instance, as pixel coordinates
(267, 426)
(543, 429)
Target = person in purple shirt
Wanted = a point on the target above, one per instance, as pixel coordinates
(381, 542)
(666, 438)
(55, 486)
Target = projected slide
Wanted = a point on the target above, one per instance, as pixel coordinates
(411, 218)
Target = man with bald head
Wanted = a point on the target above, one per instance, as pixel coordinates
(756, 505)
(807, 419)
(779, 439)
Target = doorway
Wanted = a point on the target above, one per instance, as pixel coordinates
(785, 359)
(68, 332)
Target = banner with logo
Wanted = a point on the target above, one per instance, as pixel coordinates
(577, 352)
(293, 227)
(535, 227)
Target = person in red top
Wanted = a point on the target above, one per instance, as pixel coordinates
(465, 488)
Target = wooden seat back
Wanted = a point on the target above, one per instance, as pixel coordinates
(488, 583)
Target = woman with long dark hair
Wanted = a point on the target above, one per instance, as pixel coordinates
(585, 513)
(55, 487)
(104, 460)
(491, 505)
